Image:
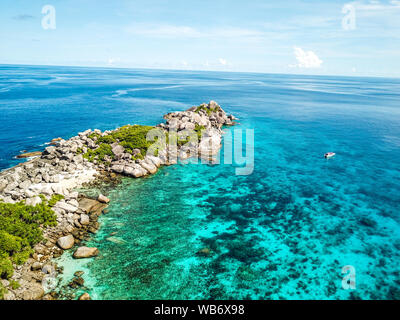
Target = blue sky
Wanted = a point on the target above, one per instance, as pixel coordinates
(306, 37)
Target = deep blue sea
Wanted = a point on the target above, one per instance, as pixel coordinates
(283, 232)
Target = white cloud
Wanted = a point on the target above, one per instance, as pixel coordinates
(376, 6)
(306, 59)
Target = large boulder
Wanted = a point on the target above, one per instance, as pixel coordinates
(23, 185)
(98, 209)
(84, 219)
(210, 145)
(118, 168)
(49, 150)
(172, 123)
(57, 189)
(66, 242)
(190, 126)
(128, 170)
(86, 205)
(47, 190)
(66, 206)
(85, 252)
(3, 184)
(118, 150)
(149, 166)
(78, 159)
(155, 160)
(34, 291)
(139, 171)
(33, 201)
(29, 193)
(85, 296)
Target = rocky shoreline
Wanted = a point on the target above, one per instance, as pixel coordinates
(92, 155)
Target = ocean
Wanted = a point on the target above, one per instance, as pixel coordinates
(284, 232)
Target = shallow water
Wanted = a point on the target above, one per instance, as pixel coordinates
(284, 232)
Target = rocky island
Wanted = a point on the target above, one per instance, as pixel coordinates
(42, 214)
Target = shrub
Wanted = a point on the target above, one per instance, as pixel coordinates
(94, 136)
(107, 139)
(10, 243)
(6, 267)
(198, 128)
(20, 230)
(207, 110)
(133, 137)
(3, 290)
(14, 284)
(130, 137)
(54, 199)
(99, 153)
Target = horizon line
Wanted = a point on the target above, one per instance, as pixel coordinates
(195, 70)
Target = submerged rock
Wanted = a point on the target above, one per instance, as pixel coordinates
(85, 296)
(367, 222)
(79, 273)
(116, 240)
(85, 252)
(98, 208)
(76, 282)
(205, 252)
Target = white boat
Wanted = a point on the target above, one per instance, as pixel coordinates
(329, 155)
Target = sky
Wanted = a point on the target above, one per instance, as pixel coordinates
(356, 38)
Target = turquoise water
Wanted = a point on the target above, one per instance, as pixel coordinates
(284, 232)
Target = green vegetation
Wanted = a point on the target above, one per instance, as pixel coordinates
(134, 137)
(20, 230)
(94, 136)
(198, 128)
(175, 138)
(14, 284)
(208, 110)
(130, 137)
(184, 138)
(54, 199)
(3, 291)
(99, 153)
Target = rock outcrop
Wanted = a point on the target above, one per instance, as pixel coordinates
(66, 165)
